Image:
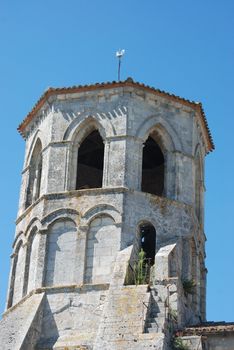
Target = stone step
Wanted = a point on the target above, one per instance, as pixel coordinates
(153, 330)
(153, 322)
(158, 305)
(152, 325)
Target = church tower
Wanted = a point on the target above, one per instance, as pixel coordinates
(109, 250)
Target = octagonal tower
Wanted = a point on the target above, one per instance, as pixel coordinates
(110, 170)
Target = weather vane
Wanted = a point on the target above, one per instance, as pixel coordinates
(119, 55)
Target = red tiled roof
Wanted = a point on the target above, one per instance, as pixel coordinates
(207, 328)
(108, 85)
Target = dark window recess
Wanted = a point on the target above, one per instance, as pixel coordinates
(35, 169)
(90, 162)
(152, 168)
(148, 242)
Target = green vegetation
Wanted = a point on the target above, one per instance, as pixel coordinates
(172, 315)
(178, 344)
(189, 286)
(140, 269)
(139, 273)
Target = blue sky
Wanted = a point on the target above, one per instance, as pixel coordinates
(184, 47)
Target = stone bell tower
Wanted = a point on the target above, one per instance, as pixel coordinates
(110, 170)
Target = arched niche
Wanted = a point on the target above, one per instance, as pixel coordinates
(102, 244)
(147, 241)
(34, 178)
(61, 254)
(31, 261)
(153, 167)
(17, 275)
(90, 160)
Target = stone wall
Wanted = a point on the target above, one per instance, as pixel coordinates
(69, 243)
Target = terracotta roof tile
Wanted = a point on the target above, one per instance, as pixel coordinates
(108, 85)
(207, 328)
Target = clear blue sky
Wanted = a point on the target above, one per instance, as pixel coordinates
(185, 47)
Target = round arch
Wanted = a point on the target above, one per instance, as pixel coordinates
(35, 222)
(100, 210)
(146, 238)
(59, 214)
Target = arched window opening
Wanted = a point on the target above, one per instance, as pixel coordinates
(35, 169)
(90, 162)
(148, 242)
(152, 168)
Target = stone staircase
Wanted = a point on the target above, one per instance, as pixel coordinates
(155, 318)
(126, 309)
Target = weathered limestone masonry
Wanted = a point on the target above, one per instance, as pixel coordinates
(111, 171)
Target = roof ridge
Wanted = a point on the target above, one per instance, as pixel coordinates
(128, 82)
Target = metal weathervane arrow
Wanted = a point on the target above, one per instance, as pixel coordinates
(119, 55)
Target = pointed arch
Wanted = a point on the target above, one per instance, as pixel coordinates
(90, 161)
(36, 136)
(153, 167)
(80, 128)
(86, 159)
(169, 137)
(34, 178)
(158, 158)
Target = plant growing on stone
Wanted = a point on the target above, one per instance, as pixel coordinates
(140, 269)
(172, 315)
(188, 286)
(178, 344)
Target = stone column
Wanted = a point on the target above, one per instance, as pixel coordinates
(81, 253)
(40, 270)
